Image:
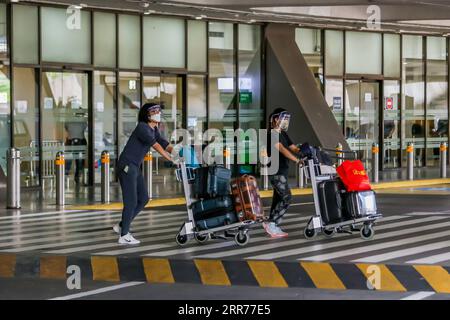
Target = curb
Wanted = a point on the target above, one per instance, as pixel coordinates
(266, 274)
(264, 194)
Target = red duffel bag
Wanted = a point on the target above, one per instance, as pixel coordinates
(354, 176)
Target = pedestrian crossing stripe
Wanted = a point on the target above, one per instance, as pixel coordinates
(274, 274)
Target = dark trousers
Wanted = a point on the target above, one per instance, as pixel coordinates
(282, 197)
(134, 194)
(79, 163)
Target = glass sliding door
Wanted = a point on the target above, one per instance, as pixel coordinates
(167, 91)
(26, 124)
(129, 105)
(361, 125)
(437, 98)
(391, 119)
(64, 106)
(105, 135)
(413, 106)
(5, 121)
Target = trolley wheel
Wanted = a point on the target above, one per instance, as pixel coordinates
(309, 233)
(367, 232)
(241, 238)
(202, 238)
(181, 239)
(329, 233)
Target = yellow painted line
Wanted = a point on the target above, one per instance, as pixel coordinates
(387, 280)
(323, 275)
(264, 194)
(405, 184)
(436, 276)
(212, 272)
(7, 265)
(105, 268)
(53, 267)
(158, 270)
(267, 274)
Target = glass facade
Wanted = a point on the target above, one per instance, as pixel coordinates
(309, 42)
(208, 74)
(26, 123)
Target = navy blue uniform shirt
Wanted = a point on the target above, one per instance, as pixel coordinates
(139, 143)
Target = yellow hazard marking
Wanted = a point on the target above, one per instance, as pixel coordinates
(375, 149)
(437, 277)
(59, 162)
(264, 194)
(105, 268)
(7, 265)
(53, 267)
(267, 274)
(212, 272)
(158, 270)
(323, 275)
(409, 149)
(443, 147)
(148, 157)
(386, 281)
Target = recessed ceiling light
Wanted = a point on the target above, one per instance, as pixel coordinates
(14, 1)
(252, 21)
(77, 6)
(147, 12)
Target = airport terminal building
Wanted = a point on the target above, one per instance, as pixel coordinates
(73, 80)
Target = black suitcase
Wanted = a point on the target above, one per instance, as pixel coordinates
(217, 219)
(359, 204)
(212, 181)
(203, 208)
(330, 201)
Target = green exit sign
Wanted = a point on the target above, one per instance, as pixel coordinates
(245, 97)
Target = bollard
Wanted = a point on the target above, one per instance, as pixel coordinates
(410, 160)
(60, 181)
(227, 157)
(375, 162)
(105, 179)
(443, 159)
(148, 173)
(13, 181)
(300, 176)
(339, 154)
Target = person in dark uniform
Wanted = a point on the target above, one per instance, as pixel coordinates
(277, 135)
(134, 190)
(75, 137)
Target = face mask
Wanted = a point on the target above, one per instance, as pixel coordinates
(284, 124)
(156, 117)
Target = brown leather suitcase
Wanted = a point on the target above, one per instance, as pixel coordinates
(247, 200)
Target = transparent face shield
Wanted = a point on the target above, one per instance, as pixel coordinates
(155, 114)
(283, 121)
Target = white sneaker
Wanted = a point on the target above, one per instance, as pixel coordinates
(117, 229)
(128, 239)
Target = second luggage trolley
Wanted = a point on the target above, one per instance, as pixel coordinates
(188, 231)
(318, 173)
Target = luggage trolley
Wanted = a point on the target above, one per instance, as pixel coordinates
(238, 230)
(318, 173)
